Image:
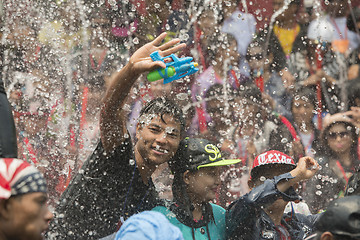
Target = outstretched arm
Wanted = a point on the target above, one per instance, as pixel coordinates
(113, 118)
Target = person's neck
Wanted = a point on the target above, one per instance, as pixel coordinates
(287, 24)
(145, 170)
(345, 158)
(197, 212)
(306, 128)
(275, 214)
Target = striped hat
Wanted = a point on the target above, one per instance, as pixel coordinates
(19, 177)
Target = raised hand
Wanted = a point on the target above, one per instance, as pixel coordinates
(141, 62)
(306, 168)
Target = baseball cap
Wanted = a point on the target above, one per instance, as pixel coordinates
(269, 158)
(18, 177)
(342, 218)
(196, 153)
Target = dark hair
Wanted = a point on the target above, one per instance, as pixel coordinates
(353, 89)
(161, 106)
(327, 151)
(304, 93)
(350, 23)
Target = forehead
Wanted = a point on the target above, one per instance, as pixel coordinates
(301, 101)
(165, 120)
(337, 127)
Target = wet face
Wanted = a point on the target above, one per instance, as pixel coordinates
(202, 184)
(302, 111)
(207, 22)
(339, 138)
(216, 109)
(255, 58)
(27, 216)
(158, 139)
(229, 52)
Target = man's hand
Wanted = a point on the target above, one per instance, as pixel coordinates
(141, 62)
(306, 169)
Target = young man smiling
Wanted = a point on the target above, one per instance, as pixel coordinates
(115, 182)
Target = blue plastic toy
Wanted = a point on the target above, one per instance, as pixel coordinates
(178, 68)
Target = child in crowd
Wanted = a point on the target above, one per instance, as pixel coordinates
(196, 178)
(260, 213)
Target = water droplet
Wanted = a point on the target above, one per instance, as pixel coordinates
(131, 161)
(136, 40)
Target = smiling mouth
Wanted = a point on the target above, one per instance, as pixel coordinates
(160, 150)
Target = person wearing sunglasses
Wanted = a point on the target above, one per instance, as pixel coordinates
(338, 158)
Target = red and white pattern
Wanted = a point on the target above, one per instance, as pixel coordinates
(11, 170)
(271, 157)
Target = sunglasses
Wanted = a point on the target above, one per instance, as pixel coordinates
(334, 135)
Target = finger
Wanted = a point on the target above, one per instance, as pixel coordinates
(169, 44)
(157, 41)
(158, 64)
(174, 49)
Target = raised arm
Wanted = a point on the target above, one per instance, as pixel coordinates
(113, 118)
(306, 169)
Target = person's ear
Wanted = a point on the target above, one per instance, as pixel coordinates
(138, 130)
(327, 236)
(186, 177)
(251, 184)
(5, 208)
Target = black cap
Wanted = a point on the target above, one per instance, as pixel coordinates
(195, 153)
(342, 218)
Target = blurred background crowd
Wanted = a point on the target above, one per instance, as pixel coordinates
(274, 74)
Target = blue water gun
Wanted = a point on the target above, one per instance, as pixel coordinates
(178, 68)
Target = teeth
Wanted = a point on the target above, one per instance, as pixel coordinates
(157, 148)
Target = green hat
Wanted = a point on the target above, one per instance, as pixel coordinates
(195, 153)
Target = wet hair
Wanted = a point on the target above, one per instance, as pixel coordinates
(327, 151)
(250, 92)
(306, 94)
(353, 89)
(160, 107)
(350, 23)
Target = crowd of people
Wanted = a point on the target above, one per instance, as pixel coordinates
(269, 124)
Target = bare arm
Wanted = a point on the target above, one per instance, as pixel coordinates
(306, 169)
(113, 117)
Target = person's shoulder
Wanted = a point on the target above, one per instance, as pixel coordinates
(217, 208)
(161, 209)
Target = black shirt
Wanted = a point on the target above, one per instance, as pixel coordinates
(108, 186)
